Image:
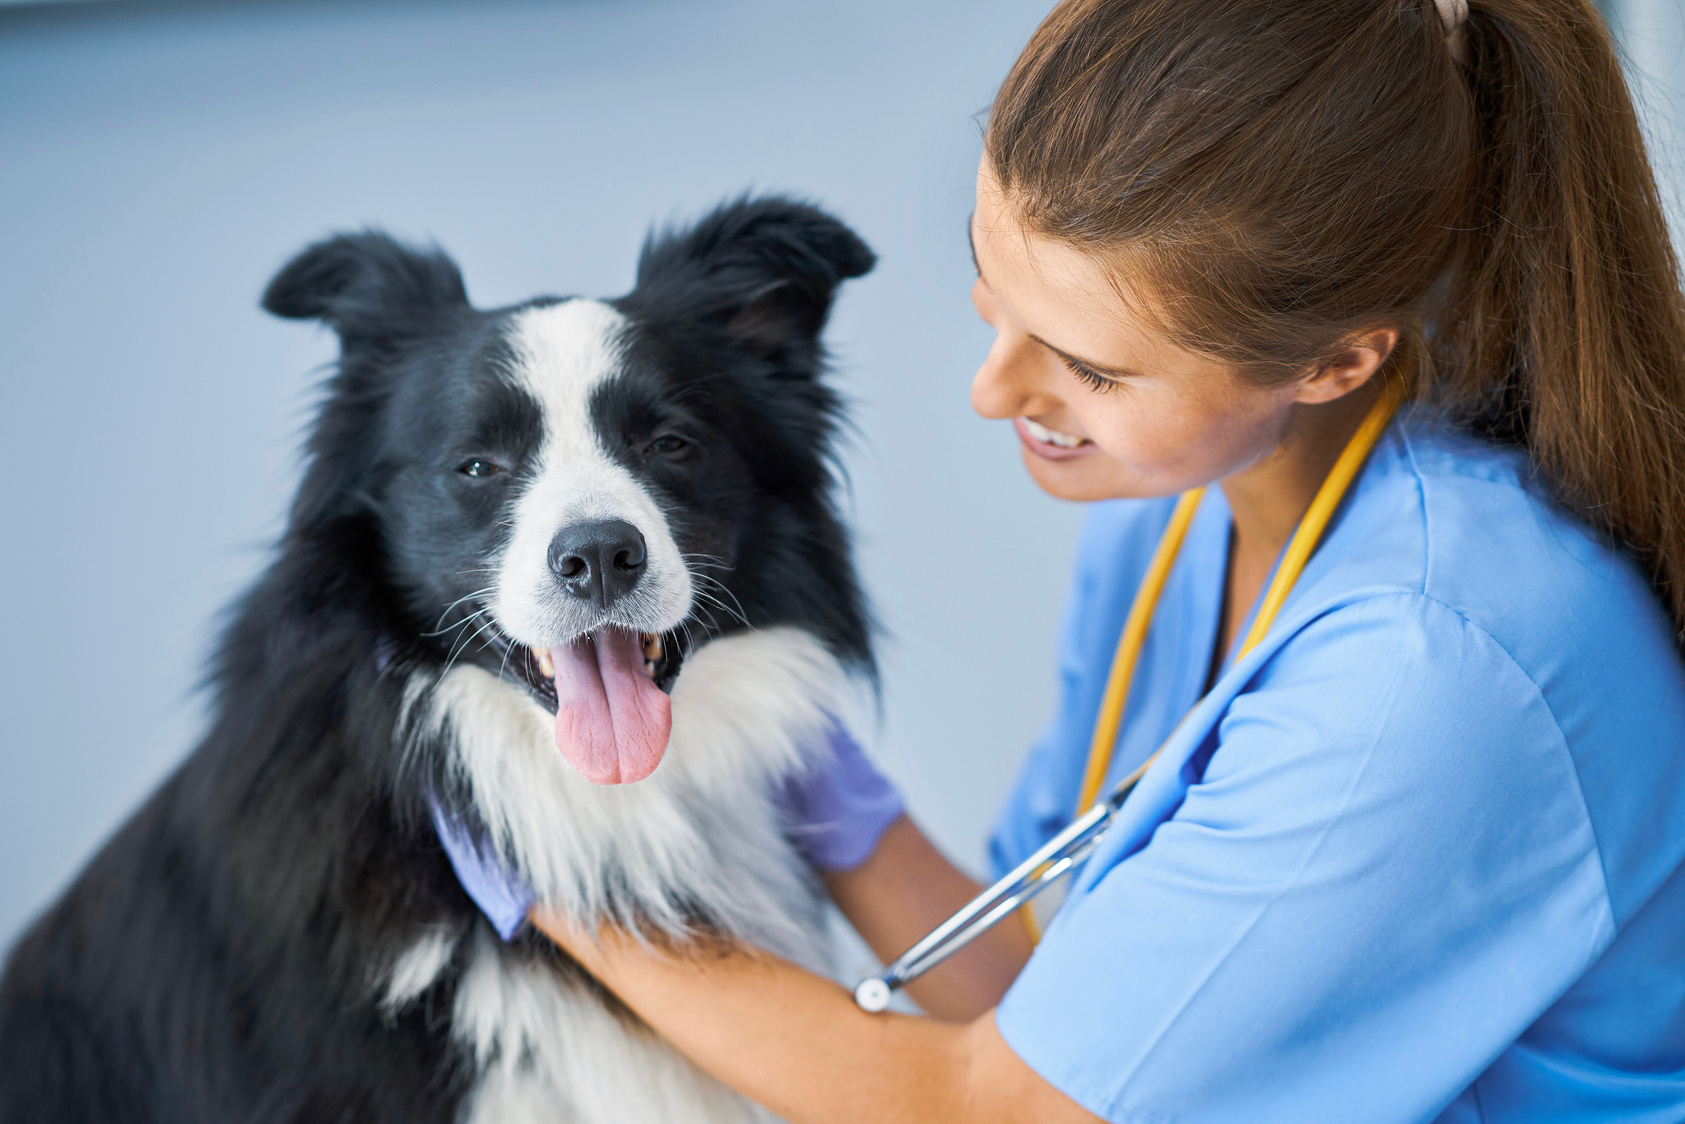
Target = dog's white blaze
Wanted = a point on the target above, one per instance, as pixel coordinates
(561, 354)
(415, 969)
(547, 1053)
(748, 710)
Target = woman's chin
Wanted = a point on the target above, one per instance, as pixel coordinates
(1079, 479)
(1096, 475)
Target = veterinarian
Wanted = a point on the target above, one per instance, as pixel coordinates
(1411, 847)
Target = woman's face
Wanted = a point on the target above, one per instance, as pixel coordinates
(1103, 404)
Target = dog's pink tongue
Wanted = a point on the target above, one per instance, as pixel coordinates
(612, 721)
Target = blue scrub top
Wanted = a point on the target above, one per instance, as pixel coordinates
(1416, 857)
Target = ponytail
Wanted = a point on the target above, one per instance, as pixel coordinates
(1564, 328)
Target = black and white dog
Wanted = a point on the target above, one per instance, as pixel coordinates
(536, 550)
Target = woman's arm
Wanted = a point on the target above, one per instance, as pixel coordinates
(796, 1043)
(905, 890)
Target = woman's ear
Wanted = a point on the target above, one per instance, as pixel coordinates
(1351, 365)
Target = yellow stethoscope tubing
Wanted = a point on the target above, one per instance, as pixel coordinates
(1059, 855)
(1129, 645)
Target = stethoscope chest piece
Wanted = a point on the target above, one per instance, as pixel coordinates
(871, 994)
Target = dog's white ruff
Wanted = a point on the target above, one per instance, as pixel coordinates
(748, 710)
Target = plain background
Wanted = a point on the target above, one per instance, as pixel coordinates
(162, 160)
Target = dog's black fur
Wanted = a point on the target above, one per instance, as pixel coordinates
(213, 962)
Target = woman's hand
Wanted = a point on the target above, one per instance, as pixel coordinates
(796, 1043)
(891, 883)
(905, 890)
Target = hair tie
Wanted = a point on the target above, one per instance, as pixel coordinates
(1452, 14)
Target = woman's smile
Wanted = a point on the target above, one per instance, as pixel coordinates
(1045, 441)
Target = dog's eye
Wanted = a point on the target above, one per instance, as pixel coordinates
(480, 468)
(668, 444)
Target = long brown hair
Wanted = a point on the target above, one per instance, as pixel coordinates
(1278, 174)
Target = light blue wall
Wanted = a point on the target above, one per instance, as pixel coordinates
(161, 162)
(1652, 38)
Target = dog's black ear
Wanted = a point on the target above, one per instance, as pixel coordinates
(766, 269)
(364, 284)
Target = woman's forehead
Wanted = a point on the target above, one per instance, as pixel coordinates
(1065, 298)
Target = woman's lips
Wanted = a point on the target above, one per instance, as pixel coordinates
(1047, 449)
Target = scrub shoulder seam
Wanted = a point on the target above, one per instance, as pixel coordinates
(1556, 725)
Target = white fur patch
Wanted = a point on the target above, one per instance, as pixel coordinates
(562, 353)
(547, 1053)
(415, 969)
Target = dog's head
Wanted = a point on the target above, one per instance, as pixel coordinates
(576, 492)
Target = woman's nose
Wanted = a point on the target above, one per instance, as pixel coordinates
(1009, 383)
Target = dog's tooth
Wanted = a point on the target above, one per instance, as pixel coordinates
(546, 665)
(652, 647)
(649, 668)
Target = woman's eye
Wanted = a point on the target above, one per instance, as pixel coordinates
(1089, 377)
(668, 444)
(480, 468)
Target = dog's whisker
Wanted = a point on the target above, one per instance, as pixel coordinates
(439, 624)
(460, 651)
(721, 606)
(711, 561)
(735, 609)
(452, 628)
(706, 581)
(711, 624)
(461, 646)
(458, 645)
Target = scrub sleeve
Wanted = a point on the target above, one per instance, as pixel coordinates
(1368, 869)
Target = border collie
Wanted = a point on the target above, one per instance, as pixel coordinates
(537, 551)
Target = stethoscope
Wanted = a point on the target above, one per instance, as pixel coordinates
(1059, 855)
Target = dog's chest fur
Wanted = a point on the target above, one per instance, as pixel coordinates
(701, 837)
(553, 1052)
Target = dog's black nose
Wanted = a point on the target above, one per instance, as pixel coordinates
(598, 561)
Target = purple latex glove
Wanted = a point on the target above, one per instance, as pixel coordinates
(502, 894)
(839, 811)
